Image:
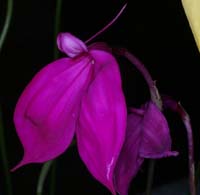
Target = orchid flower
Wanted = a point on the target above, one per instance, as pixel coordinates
(147, 136)
(81, 96)
(76, 96)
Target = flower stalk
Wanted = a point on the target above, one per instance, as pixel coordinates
(155, 96)
(42, 177)
(7, 22)
(178, 108)
(2, 136)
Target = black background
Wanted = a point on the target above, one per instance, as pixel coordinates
(155, 31)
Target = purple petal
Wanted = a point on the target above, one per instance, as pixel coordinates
(156, 141)
(147, 136)
(129, 160)
(70, 44)
(102, 121)
(47, 111)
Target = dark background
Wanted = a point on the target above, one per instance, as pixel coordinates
(155, 31)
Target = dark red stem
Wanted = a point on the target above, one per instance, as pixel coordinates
(177, 107)
(155, 97)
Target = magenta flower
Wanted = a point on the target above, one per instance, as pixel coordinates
(147, 136)
(82, 96)
(77, 96)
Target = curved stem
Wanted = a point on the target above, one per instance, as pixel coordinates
(186, 121)
(2, 136)
(42, 177)
(155, 96)
(177, 107)
(7, 22)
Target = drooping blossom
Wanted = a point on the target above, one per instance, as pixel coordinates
(76, 96)
(147, 136)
